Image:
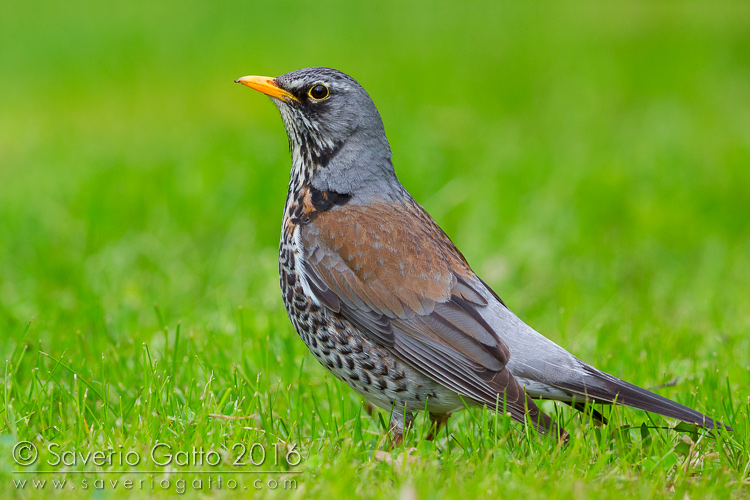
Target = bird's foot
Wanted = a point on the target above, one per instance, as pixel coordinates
(400, 423)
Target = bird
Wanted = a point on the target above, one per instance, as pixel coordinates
(385, 301)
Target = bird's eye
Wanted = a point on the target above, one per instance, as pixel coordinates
(319, 92)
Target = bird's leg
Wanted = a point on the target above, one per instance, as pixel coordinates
(437, 423)
(370, 408)
(400, 422)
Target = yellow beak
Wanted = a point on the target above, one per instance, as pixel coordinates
(266, 85)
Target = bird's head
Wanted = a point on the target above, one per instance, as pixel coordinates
(335, 132)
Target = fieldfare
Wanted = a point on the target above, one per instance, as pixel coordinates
(383, 298)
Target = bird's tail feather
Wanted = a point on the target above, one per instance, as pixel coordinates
(602, 387)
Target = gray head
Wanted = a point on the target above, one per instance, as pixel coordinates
(335, 132)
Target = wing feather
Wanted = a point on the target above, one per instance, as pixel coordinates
(392, 272)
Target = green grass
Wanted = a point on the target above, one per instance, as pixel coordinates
(592, 162)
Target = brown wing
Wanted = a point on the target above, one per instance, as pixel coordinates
(390, 270)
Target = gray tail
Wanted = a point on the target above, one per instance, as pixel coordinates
(604, 388)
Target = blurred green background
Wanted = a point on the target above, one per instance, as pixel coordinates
(591, 160)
